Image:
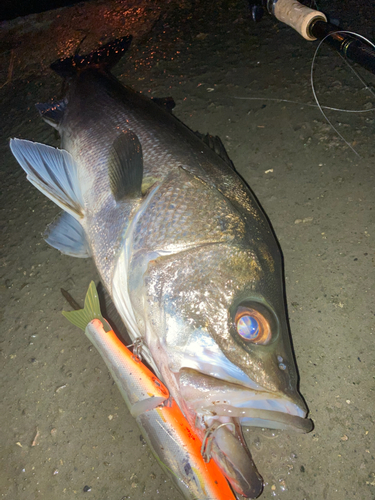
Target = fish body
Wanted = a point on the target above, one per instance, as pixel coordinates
(183, 248)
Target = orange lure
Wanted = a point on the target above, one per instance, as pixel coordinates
(174, 443)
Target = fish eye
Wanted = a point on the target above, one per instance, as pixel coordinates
(252, 326)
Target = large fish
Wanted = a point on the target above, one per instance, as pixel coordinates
(184, 250)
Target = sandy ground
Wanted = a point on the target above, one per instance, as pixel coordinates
(66, 432)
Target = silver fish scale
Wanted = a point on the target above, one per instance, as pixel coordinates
(109, 109)
(105, 232)
(179, 221)
(172, 223)
(202, 292)
(182, 247)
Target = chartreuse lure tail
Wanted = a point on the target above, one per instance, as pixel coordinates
(90, 311)
(140, 388)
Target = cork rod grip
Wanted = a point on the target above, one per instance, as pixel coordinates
(297, 16)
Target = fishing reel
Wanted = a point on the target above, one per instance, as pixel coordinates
(313, 24)
(258, 7)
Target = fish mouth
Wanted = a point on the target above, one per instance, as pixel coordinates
(213, 398)
(271, 419)
(221, 407)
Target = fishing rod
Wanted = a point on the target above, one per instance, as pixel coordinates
(312, 25)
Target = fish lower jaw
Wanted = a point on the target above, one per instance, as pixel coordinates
(266, 413)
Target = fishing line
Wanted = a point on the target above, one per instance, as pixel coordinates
(305, 103)
(313, 87)
(318, 105)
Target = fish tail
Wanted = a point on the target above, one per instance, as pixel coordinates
(105, 57)
(90, 311)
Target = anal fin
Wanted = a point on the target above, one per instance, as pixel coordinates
(53, 171)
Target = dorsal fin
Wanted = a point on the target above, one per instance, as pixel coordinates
(125, 166)
(216, 144)
(106, 57)
(165, 102)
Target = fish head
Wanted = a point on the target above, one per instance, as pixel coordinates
(218, 315)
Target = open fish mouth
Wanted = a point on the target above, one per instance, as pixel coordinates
(221, 408)
(271, 419)
(211, 398)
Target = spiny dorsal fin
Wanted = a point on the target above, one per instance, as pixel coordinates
(216, 144)
(105, 57)
(125, 166)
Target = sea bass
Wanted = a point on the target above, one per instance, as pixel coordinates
(182, 247)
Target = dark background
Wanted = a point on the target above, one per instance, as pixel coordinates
(10, 9)
(346, 12)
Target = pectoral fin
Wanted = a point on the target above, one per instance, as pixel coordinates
(125, 166)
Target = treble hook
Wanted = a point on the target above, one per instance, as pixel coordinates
(137, 348)
(208, 438)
